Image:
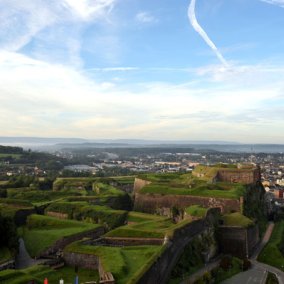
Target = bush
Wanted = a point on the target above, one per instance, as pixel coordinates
(226, 262)
(246, 264)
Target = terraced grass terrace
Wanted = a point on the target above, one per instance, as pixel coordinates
(42, 232)
(87, 182)
(187, 184)
(82, 210)
(155, 228)
(127, 264)
(39, 272)
(9, 207)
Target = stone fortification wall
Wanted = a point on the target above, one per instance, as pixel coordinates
(88, 261)
(57, 215)
(243, 176)
(238, 241)
(62, 243)
(160, 271)
(153, 203)
(140, 183)
(123, 241)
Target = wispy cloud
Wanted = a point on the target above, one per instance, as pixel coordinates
(146, 17)
(203, 34)
(21, 21)
(275, 2)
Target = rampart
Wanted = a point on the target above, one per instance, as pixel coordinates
(239, 175)
(161, 269)
(88, 261)
(238, 241)
(123, 241)
(62, 243)
(153, 203)
(57, 215)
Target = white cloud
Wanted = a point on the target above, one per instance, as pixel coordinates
(43, 99)
(21, 21)
(203, 34)
(275, 2)
(145, 17)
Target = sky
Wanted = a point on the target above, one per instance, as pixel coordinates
(143, 69)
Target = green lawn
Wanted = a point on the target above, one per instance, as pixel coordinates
(271, 254)
(237, 219)
(196, 211)
(40, 272)
(126, 264)
(42, 232)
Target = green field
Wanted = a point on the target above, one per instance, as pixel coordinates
(14, 156)
(40, 272)
(271, 254)
(42, 232)
(126, 264)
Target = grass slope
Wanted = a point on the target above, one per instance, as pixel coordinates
(126, 264)
(42, 232)
(271, 254)
(237, 219)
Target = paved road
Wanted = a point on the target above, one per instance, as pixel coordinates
(23, 259)
(257, 274)
(264, 240)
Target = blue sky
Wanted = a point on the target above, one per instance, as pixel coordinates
(163, 69)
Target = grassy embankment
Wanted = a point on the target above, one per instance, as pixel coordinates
(147, 226)
(127, 264)
(42, 232)
(188, 184)
(82, 210)
(237, 219)
(271, 254)
(196, 211)
(39, 273)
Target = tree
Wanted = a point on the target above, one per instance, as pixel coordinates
(8, 236)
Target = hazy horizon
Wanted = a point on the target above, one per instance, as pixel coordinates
(158, 70)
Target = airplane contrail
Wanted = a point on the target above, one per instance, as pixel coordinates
(203, 34)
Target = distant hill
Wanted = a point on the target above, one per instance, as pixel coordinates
(51, 144)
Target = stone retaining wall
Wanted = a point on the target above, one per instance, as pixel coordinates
(238, 241)
(153, 203)
(161, 269)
